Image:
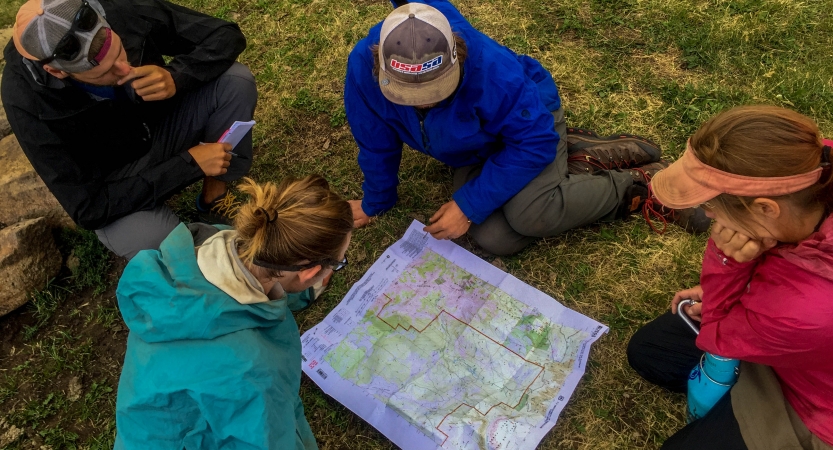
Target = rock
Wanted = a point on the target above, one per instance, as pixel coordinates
(74, 389)
(5, 37)
(28, 260)
(5, 128)
(24, 196)
(10, 436)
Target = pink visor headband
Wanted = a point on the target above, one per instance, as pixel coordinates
(689, 182)
(730, 183)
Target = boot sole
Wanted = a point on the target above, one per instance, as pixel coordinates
(591, 137)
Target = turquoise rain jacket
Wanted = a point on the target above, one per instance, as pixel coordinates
(203, 371)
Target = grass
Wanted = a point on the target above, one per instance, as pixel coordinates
(657, 68)
(53, 390)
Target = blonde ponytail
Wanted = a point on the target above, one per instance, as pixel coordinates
(296, 221)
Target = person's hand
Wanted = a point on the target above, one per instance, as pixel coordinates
(448, 222)
(213, 159)
(151, 82)
(696, 294)
(360, 219)
(739, 246)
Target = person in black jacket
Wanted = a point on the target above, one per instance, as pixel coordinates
(111, 127)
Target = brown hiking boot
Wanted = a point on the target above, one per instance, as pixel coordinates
(640, 196)
(693, 220)
(588, 152)
(643, 174)
(635, 197)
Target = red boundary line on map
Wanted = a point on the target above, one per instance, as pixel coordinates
(484, 335)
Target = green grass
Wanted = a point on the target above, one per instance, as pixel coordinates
(657, 68)
(44, 372)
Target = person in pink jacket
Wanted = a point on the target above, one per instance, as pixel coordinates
(766, 288)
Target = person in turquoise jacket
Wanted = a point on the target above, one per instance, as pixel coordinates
(214, 356)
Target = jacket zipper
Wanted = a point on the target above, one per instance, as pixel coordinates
(424, 136)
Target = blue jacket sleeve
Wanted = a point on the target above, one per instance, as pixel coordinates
(525, 126)
(380, 149)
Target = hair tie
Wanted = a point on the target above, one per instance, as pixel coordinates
(269, 218)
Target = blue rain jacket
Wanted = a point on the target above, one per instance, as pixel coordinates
(203, 371)
(500, 117)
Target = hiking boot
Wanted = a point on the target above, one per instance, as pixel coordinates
(588, 152)
(693, 220)
(643, 174)
(635, 197)
(220, 210)
(640, 196)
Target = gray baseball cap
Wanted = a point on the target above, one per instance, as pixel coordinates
(41, 24)
(417, 56)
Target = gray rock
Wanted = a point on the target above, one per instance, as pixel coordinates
(28, 260)
(5, 37)
(24, 196)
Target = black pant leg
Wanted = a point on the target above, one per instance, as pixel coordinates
(718, 430)
(664, 352)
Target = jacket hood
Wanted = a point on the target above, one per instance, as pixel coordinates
(163, 296)
(814, 254)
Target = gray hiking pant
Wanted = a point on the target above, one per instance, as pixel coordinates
(553, 202)
(201, 115)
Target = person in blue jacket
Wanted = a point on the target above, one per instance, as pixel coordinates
(214, 356)
(425, 77)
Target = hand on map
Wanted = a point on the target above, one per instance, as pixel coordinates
(696, 294)
(360, 219)
(213, 159)
(152, 83)
(737, 245)
(449, 222)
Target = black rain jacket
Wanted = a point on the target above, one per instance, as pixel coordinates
(74, 141)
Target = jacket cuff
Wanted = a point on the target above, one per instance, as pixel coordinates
(465, 206)
(182, 81)
(374, 211)
(186, 155)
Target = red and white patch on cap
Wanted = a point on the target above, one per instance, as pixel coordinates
(416, 69)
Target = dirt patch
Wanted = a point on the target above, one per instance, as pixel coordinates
(58, 376)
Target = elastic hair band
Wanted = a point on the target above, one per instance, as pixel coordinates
(269, 218)
(104, 48)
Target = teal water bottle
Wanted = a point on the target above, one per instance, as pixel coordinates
(711, 379)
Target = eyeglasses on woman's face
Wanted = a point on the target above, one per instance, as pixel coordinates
(335, 265)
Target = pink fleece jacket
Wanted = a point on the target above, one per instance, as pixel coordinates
(778, 310)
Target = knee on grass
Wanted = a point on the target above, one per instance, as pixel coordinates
(499, 245)
(239, 82)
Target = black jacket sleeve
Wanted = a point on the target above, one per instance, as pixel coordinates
(91, 200)
(202, 47)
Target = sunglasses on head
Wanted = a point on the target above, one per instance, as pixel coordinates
(335, 265)
(69, 46)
